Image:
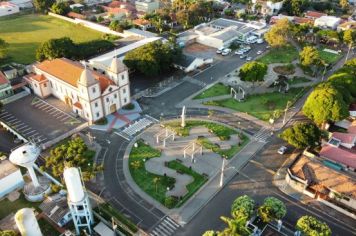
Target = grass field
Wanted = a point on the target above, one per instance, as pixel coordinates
(216, 90)
(262, 106)
(8, 207)
(285, 54)
(25, 33)
(329, 57)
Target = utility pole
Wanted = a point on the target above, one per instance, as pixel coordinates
(285, 112)
(222, 173)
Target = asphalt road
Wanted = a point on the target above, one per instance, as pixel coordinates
(255, 179)
(6, 141)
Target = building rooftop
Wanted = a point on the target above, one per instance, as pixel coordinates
(345, 137)
(314, 14)
(223, 23)
(339, 155)
(7, 168)
(3, 79)
(55, 207)
(70, 71)
(319, 176)
(352, 128)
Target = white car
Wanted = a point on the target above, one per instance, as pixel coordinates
(259, 41)
(243, 56)
(239, 52)
(259, 52)
(220, 50)
(282, 150)
(226, 51)
(248, 58)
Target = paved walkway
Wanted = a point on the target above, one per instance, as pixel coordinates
(207, 164)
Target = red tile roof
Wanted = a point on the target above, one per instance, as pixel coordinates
(339, 155)
(69, 72)
(78, 105)
(352, 128)
(315, 14)
(75, 15)
(344, 137)
(114, 4)
(141, 21)
(303, 20)
(3, 79)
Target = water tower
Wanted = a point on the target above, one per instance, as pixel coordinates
(78, 200)
(27, 223)
(25, 156)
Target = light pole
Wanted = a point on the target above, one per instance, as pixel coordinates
(285, 112)
(222, 173)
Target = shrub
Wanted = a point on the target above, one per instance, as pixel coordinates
(170, 202)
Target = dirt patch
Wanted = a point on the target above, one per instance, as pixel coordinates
(288, 69)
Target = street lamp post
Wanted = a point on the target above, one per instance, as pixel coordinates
(222, 173)
(285, 112)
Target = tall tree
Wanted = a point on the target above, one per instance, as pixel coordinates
(310, 226)
(243, 206)
(302, 135)
(310, 57)
(253, 71)
(344, 4)
(349, 38)
(272, 209)
(55, 48)
(325, 103)
(43, 5)
(236, 227)
(278, 34)
(3, 49)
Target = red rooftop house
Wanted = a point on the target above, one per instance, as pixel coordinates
(341, 156)
(314, 14)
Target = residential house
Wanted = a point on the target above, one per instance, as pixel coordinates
(146, 6)
(8, 8)
(22, 4)
(10, 177)
(143, 24)
(346, 140)
(327, 22)
(56, 208)
(347, 25)
(339, 154)
(5, 87)
(266, 7)
(117, 12)
(314, 14)
(90, 94)
(189, 63)
(331, 187)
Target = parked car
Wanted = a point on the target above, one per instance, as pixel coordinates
(259, 41)
(226, 51)
(282, 150)
(220, 50)
(267, 47)
(243, 56)
(259, 52)
(239, 52)
(248, 58)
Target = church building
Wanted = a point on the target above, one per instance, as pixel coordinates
(90, 94)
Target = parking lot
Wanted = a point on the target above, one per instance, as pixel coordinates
(38, 120)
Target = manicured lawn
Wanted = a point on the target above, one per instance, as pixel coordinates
(145, 179)
(298, 80)
(262, 106)
(223, 132)
(199, 179)
(107, 211)
(329, 57)
(7, 207)
(216, 90)
(25, 33)
(227, 153)
(285, 54)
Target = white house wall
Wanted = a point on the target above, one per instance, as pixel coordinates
(10, 183)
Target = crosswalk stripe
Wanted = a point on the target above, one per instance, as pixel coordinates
(164, 229)
(170, 221)
(167, 227)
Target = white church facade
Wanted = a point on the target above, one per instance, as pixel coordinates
(90, 94)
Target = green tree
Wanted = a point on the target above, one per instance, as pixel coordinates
(310, 226)
(302, 135)
(8, 233)
(253, 71)
(3, 49)
(272, 209)
(325, 104)
(278, 34)
(43, 5)
(235, 227)
(60, 8)
(55, 48)
(310, 57)
(344, 4)
(349, 37)
(153, 58)
(243, 206)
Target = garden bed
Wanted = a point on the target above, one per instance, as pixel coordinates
(262, 106)
(288, 69)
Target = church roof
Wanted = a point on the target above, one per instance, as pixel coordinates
(87, 78)
(117, 66)
(70, 72)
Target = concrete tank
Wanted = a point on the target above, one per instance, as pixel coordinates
(27, 223)
(73, 184)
